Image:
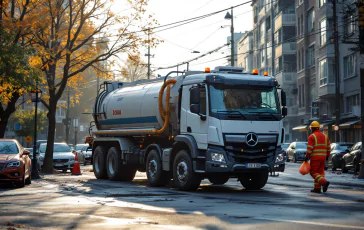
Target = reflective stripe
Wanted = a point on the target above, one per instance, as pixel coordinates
(319, 150)
(318, 155)
(310, 146)
(325, 140)
(315, 139)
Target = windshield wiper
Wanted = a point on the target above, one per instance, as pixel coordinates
(271, 114)
(232, 112)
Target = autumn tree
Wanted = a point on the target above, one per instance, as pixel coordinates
(17, 74)
(26, 120)
(134, 68)
(69, 36)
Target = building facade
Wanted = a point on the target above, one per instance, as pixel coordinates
(316, 73)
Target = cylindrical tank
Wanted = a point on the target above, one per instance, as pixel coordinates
(134, 106)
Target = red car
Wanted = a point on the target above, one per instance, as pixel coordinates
(15, 164)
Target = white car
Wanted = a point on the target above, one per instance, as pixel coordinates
(63, 158)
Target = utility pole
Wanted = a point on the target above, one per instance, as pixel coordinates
(148, 53)
(337, 73)
(360, 6)
(232, 38)
(67, 115)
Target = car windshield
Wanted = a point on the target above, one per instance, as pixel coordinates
(301, 145)
(58, 148)
(244, 99)
(8, 147)
(78, 147)
(344, 146)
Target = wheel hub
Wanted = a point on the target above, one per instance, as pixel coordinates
(182, 171)
(97, 161)
(111, 164)
(152, 168)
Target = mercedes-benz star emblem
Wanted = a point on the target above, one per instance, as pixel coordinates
(252, 139)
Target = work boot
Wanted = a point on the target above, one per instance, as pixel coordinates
(316, 190)
(325, 186)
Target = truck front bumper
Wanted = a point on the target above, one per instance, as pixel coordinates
(226, 165)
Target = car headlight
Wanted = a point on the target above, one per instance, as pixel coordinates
(218, 157)
(13, 164)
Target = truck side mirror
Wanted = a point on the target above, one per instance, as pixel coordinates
(195, 108)
(283, 98)
(284, 111)
(195, 96)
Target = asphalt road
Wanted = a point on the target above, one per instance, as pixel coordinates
(64, 201)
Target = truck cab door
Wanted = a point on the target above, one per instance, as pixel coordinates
(196, 111)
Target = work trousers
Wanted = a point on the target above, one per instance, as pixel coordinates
(318, 172)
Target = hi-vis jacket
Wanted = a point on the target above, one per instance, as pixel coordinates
(318, 147)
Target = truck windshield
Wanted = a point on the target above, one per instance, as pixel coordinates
(244, 99)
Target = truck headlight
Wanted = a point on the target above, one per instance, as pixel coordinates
(218, 157)
(279, 158)
(13, 164)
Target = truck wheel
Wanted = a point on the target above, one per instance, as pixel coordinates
(156, 176)
(219, 179)
(184, 176)
(99, 164)
(113, 164)
(253, 181)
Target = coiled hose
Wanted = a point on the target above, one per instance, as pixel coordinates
(164, 114)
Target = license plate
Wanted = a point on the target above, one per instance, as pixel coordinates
(58, 165)
(254, 165)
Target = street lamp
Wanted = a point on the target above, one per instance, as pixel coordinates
(35, 95)
(229, 16)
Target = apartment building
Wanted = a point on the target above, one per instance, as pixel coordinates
(316, 69)
(245, 52)
(237, 37)
(272, 48)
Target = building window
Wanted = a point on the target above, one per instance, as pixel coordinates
(303, 95)
(352, 101)
(267, 5)
(262, 53)
(323, 32)
(349, 65)
(350, 25)
(299, 60)
(321, 3)
(302, 28)
(299, 96)
(302, 59)
(278, 37)
(323, 72)
(268, 23)
(278, 64)
(310, 20)
(299, 26)
(311, 56)
(269, 49)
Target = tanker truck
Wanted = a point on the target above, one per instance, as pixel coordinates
(213, 124)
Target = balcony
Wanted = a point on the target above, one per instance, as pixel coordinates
(326, 91)
(286, 48)
(284, 20)
(286, 79)
(261, 14)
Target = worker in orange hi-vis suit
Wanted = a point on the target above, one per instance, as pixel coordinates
(318, 151)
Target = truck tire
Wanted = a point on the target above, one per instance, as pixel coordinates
(99, 162)
(221, 179)
(183, 175)
(156, 176)
(254, 181)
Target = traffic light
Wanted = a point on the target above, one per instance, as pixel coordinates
(361, 15)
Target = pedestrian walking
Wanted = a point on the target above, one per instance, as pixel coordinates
(318, 151)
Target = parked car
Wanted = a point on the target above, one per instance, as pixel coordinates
(79, 147)
(351, 160)
(15, 164)
(338, 150)
(63, 158)
(296, 151)
(38, 143)
(87, 154)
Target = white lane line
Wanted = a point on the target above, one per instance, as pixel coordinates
(312, 223)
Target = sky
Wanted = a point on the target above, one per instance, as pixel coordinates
(204, 35)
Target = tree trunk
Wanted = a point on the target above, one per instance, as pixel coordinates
(5, 114)
(48, 158)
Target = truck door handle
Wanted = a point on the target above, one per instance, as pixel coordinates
(189, 130)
